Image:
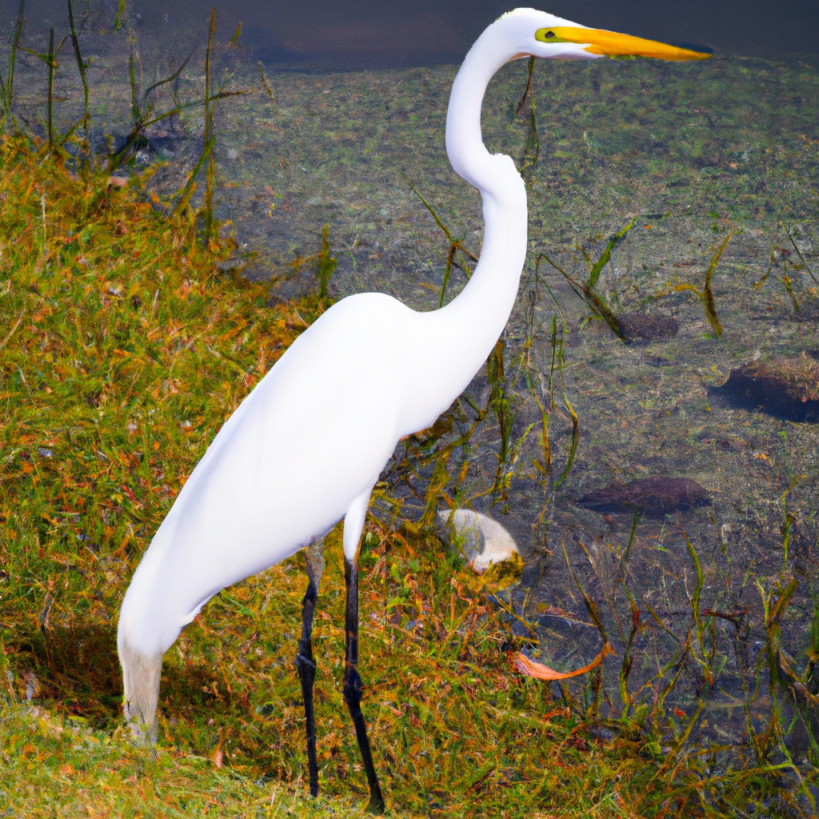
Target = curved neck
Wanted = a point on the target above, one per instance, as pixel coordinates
(490, 294)
(460, 336)
(483, 307)
(464, 142)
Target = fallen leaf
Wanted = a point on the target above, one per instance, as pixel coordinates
(530, 668)
(554, 610)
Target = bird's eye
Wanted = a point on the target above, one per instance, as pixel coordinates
(549, 35)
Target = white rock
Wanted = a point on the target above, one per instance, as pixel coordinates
(480, 539)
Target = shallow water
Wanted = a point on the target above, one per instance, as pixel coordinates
(697, 152)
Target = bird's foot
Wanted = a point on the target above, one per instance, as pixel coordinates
(377, 805)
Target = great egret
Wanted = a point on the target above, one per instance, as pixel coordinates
(306, 447)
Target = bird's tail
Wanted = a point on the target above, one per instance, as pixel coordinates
(140, 674)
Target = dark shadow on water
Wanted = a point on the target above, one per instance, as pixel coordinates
(344, 36)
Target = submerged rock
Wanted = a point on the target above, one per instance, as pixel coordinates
(165, 135)
(653, 497)
(164, 138)
(647, 327)
(786, 388)
(720, 439)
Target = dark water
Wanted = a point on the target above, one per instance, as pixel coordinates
(379, 33)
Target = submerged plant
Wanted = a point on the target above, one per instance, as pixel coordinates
(531, 150)
(455, 245)
(706, 295)
(327, 263)
(586, 290)
(7, 85)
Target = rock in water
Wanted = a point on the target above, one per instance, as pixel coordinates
(653, 497)
(480, 539)
(647, 326)
(786, 388)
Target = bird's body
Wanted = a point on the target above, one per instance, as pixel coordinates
(306, 447)
(369, 372)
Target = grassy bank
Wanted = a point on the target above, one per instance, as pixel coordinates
(124, 351)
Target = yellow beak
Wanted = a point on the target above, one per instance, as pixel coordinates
(612, 44)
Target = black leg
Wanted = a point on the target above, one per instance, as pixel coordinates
(352, 686)
(305, 663)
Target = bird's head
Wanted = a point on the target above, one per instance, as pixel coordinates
(538, 34)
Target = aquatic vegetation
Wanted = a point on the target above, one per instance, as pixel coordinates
(585, 290)
(455, 245)
(706, 295)
(7, 85)
(531, 150)
(325, 263)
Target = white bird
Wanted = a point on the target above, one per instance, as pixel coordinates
(306, 447)
(482, 540)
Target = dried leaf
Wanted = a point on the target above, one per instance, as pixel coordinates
(542, 672)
